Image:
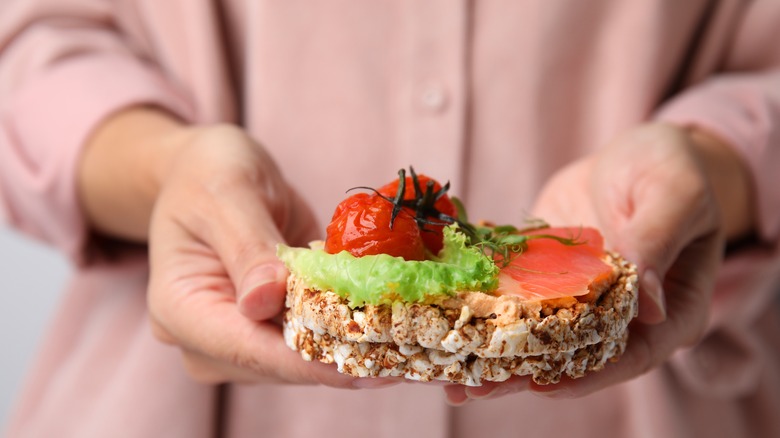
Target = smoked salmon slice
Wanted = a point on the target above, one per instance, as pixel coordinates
(549, 269)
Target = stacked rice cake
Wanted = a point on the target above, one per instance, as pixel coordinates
(468, 338)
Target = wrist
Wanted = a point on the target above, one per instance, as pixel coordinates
(123, 166)
(731, 182)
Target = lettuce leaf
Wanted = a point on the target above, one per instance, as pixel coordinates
(383, 279)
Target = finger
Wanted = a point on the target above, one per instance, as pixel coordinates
(478, 392)
(193, 300)
(377, 382)
(665, 216)
(456, 395)
(652, 298)
(688, 284)
(246, 242)
(654, 243)
(244, 234)
(210, 371)
(246, 237)
(244, 350)
(493, 390)
(266, 297)
(662, 224)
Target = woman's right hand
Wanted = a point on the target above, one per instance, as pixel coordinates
(216, 207)
(215, 280)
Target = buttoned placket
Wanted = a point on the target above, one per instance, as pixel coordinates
(433, 102)
(435, 96)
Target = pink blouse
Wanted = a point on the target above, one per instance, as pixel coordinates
(493, 95)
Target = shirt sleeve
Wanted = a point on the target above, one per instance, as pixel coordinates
(62, 71)
(741, 105)
(744, 110)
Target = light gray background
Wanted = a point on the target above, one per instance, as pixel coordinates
(31, 280)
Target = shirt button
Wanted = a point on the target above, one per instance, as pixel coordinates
(433, 98)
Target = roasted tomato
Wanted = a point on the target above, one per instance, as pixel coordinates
(431, 234)
(361, 225)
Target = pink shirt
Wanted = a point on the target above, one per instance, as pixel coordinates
(491, 95)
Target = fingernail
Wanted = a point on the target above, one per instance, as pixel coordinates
(260, 276)
(374, 383)
(480, 392)
(496, 392)
(655, 291)
(263, 291)
(560, 392)
(457, 401)
(455, 395)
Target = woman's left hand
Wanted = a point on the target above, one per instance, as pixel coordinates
(667, 199)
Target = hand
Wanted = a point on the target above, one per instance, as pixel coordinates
(667, 199)
(215, 281)
(220, 206)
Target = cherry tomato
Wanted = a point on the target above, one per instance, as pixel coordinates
(432, 235)
(361, 225)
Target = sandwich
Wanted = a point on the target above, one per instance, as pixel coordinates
(404, 285)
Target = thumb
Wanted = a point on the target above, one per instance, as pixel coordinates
(262, 290)
(244, 237)
(666, 220)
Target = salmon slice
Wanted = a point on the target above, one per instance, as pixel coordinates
(549, 269)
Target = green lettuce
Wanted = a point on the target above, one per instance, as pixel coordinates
(383, 279)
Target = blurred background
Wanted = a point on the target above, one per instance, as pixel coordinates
(31, 278)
